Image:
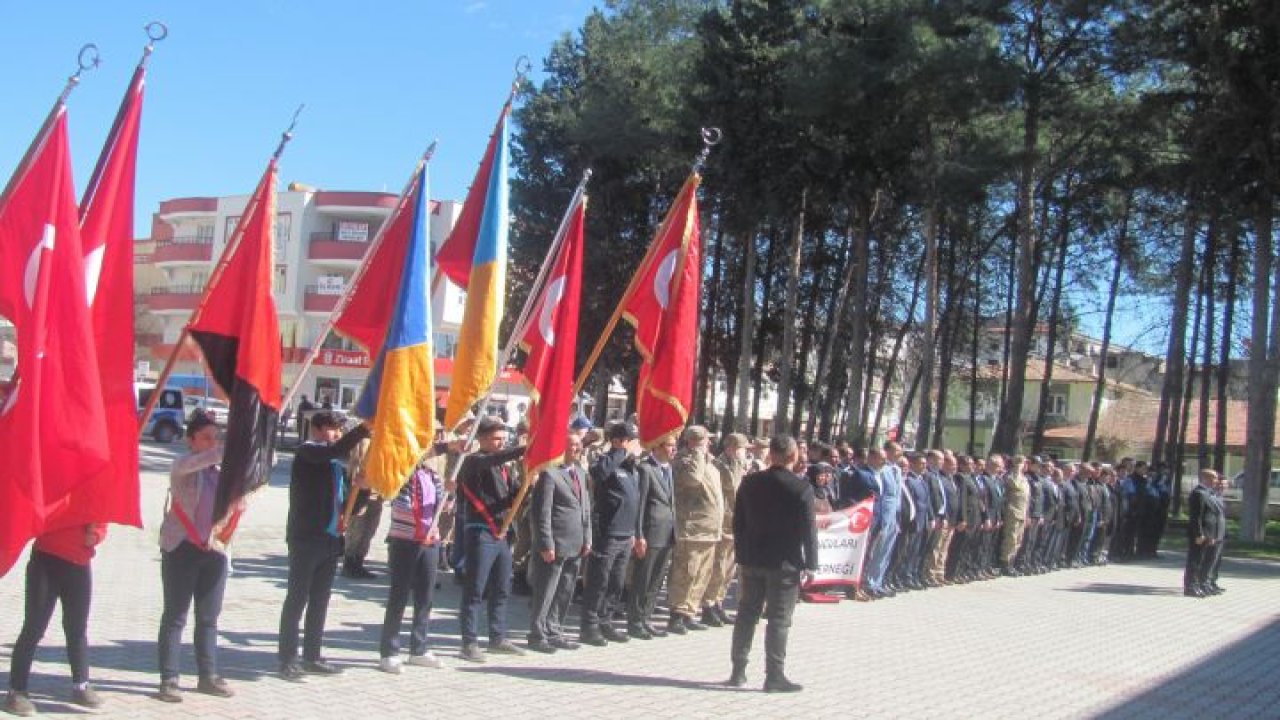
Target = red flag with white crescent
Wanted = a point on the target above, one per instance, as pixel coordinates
(551, 341)
(52, 424)
(663, 306)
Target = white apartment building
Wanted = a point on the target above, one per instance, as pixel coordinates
(321, 239)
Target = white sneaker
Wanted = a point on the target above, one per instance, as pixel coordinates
(427, 659)
(390, 665)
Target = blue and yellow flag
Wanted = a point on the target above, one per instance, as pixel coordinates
(399, 397)
(476, 364)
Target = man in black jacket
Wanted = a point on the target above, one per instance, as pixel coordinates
(1206, 528)
(560, 514)
(486, 489)
(615, 506)
(317, 493)
(776, 541)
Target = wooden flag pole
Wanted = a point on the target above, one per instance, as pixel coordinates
(345, 300)
(223, 260)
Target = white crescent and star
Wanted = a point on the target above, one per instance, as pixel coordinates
(32, 274)
(555, 293)
(662, 279)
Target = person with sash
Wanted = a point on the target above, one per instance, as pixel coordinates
(190, 568)
(486, 489)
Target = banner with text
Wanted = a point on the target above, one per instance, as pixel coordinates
(842, 545)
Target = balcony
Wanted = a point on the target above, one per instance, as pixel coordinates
(314, 301)
(184, 249)
(325, 247)
(188, 206)
(175, 298)
(375, 203)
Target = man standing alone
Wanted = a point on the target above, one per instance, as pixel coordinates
(776, 542)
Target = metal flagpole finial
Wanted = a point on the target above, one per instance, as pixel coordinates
(87, 59)
(431, 151)
(523, 67)
(711, 137)
(287, 135)
(156, 31)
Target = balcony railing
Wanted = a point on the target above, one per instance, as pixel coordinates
(319, 302)
(175, 297)
(325, 246)
(191, 248)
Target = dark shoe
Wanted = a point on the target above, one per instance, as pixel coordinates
(215, 686)
(17, 702)
(737, 678)
(320, 667)
(292, 671)
(357, 572)
(676, 625)
(541, 646)
(1193, 592)
(592, 637)
(710, 618)
(562, 644)
(169, 691)
(471, 653)
(639, 632)
(780, 684)
(720, 613)
(692, 624)
(504, 647)
(655, 631)
(86, 697)
(613, 634)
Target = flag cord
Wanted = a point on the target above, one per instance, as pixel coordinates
(517, 331)
(345, 300)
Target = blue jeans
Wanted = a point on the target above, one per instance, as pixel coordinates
(486, 565)
(881, 553)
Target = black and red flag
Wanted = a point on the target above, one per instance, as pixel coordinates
(238, 331)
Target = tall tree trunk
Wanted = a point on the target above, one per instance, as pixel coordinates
(1206, 364)
(1176, 449)
(748, 332)
(710, 335)
(1011, 291)
(972, 446)
(1055, 319)
(928, 338)
(875, 335)
(855, 430)
(1175, 355)
(1224, 355)
(835, 321)
(1009, 428)
(762, 335)
(1113, 290)
(896, 353)
(787, 354)
(800, 384)
(1263, 355)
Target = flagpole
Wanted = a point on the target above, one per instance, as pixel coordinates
(232, 246)
(345, 300)
(88, 59)
(518, 331)
(711, 136)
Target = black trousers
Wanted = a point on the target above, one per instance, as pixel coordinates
(776, 588)
(606, 575)
(1191, 574)
(552, 584)
(413, 571)
(311, 568)
(647, 574)
(189, 573)
(51, 580)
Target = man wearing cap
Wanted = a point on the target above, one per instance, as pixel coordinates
(615, 511)
(731, 465)
(699, 526)
(486, 488)
(317, 496)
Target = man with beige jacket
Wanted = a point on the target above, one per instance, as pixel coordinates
(699, 526)
(731, 465)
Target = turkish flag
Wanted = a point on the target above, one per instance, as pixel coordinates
(52, 424)
(238, 331)
(551, 341)
(662, 304)
(106, 228)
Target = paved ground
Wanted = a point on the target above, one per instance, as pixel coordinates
(1115, 642)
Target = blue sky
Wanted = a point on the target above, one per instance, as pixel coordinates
(380, 80)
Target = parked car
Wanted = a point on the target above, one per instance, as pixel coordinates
(167, 420)
(215, 408)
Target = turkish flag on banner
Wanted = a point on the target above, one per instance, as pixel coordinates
(106, 228)
(662, 304)
(551, 341)
(52, 424)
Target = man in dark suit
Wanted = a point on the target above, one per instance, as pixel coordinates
(655, 539)
(776, 541)
(560, 521)
(1206, 529)
(615, 508)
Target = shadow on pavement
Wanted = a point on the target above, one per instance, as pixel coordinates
(595, 677)
(1123, 589)
(1245, 670)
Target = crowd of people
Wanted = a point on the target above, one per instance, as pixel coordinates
(615, 523)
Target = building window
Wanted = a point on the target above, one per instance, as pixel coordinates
(232, 223)
(1058, 405)
(284, 225)
(1113, 362)
(278, 281)
(204, 232)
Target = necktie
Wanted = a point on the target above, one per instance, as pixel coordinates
(577, 488)
(666, 477)
(911, 505)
